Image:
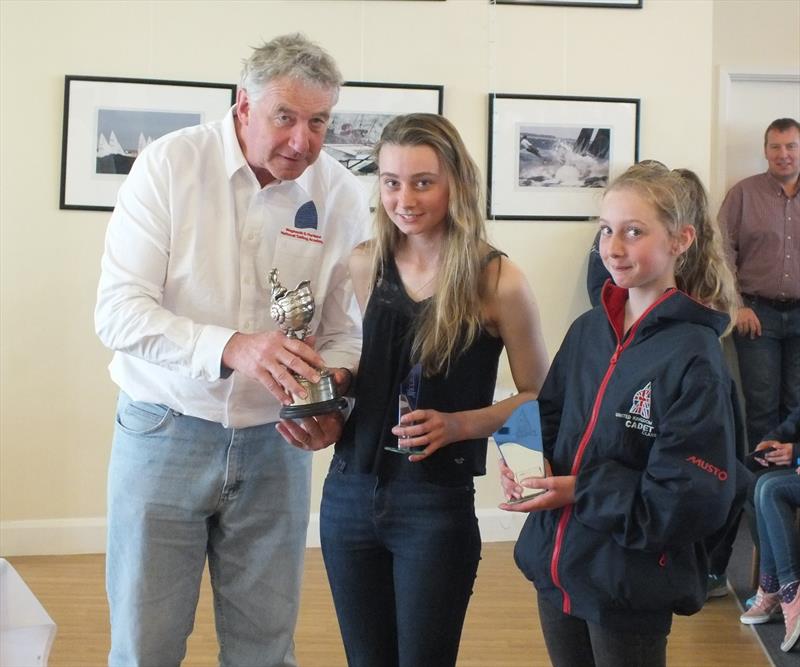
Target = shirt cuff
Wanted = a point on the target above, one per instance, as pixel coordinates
(207, 358)
(334, 359)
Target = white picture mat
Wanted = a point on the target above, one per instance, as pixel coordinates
(606, 3)
(82, 184)
(384, 99)
(396, 101)
(508, 199)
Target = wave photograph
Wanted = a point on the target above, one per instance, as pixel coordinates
(575, 157)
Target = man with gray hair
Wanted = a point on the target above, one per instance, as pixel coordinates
(199, 468)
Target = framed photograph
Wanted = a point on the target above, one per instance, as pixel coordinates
(360, 115)
(625, 4)
(551, 156)
(108, 121)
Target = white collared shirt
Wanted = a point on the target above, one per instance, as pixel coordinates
(188, 253)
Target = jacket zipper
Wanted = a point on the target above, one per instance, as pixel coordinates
(566, 511)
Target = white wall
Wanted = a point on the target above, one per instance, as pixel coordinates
(758, 79)
(56, 399)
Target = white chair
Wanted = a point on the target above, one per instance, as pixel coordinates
(26, 630)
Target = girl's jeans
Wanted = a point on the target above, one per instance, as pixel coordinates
(401, 557)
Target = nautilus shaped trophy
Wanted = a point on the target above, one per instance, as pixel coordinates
(293, 310)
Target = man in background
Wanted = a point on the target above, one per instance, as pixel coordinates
(761, 217)
(198, 466)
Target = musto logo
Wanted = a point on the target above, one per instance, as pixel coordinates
(720, 474)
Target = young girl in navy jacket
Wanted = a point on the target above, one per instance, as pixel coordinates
(638, 426)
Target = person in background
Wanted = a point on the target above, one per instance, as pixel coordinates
(399, 533)
(761, 218)
(777, 497)
(639, 430)
(198, 470)
(781, 447)
(596, 273)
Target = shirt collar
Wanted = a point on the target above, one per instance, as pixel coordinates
(776, 185)
(234, 158)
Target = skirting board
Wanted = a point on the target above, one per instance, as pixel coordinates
(48, 537)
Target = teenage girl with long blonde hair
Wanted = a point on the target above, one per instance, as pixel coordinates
(399, 534)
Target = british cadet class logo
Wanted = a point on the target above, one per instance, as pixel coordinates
(641, 402)
(638, 415)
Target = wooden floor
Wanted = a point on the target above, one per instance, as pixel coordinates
(501, 630)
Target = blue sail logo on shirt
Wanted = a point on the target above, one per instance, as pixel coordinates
(305, 219)
(638, 415)
(306, 216)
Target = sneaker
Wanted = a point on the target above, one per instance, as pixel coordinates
(766, 607)
(791, 616)
(749, 602)
(717, 586)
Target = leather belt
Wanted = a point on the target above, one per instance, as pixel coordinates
(777, 304)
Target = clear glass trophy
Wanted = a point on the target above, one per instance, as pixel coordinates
(407, 402)
(520, 443)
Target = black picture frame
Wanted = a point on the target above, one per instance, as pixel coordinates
(363, 110)
(550, 156)
(94, 157)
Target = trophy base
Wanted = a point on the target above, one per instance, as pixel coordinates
(406, 451)
(311, 409)
(321, 398)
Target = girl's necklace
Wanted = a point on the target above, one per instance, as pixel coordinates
(417, 291)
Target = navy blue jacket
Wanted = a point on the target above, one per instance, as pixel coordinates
(645, 421)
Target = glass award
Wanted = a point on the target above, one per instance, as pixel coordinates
(520, 443)
(407, 402)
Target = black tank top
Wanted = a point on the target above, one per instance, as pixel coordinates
(388, 333)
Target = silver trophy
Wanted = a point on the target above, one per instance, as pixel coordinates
(293, 311)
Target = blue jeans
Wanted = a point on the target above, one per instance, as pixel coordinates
(181, 489)
(769, 366)
(401, 558)
(777, 497)
(573, 642)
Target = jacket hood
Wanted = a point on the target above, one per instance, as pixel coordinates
(673, 305)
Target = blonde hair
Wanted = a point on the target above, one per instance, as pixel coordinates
(679, 199)
(450, 321)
